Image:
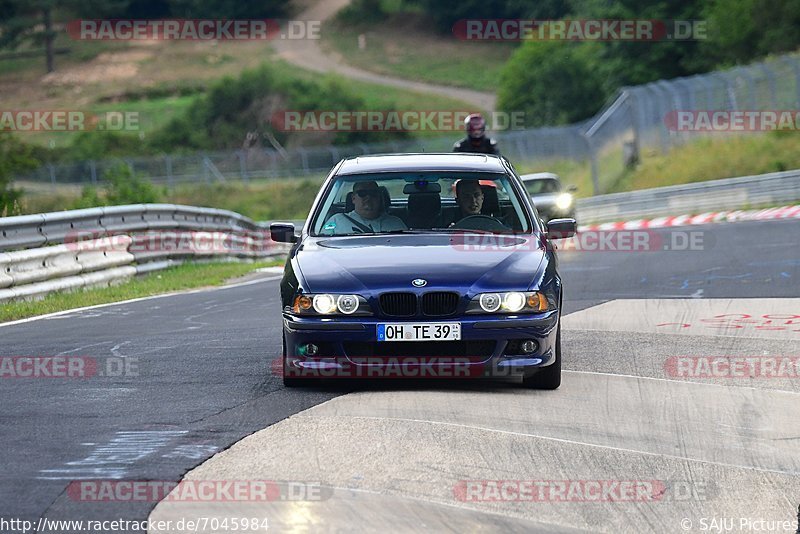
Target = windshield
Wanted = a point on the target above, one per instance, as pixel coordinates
(542, 186)
(420, 201)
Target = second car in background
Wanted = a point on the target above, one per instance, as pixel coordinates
(551, 199)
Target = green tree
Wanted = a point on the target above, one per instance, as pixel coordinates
(447, 12)
(552, 83)
(744, 30)
(20, 21)
(227, 9)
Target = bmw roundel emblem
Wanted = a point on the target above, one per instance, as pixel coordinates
(419, 282)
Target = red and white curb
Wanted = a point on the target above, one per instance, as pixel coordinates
(785, 212)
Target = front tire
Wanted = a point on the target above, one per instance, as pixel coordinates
(547, 377)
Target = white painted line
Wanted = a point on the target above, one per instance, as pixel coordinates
(691, 382)
(546, 438)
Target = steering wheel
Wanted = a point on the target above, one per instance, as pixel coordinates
(481, 222)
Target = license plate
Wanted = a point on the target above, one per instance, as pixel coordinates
(419, 332)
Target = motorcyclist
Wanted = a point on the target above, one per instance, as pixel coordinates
(476, 140)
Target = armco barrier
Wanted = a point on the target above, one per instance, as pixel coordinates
(21, 232)
(65, 250)
(727, 194)
(51, 228)
(40, 264)
(95, 279)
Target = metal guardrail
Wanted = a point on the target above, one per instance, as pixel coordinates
(728, 193)
(47, 228)
(99, 246)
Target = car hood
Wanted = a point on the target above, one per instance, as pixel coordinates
(469, 262)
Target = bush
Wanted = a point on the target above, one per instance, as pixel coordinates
(15, 157)
(235, 110)
(122, 187)
(96, 145)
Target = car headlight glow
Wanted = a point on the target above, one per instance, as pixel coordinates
(324, 304)
(328, 304)
(514, 301)
(510, 302)
(564, 201)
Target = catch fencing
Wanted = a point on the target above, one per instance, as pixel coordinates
(613, 140)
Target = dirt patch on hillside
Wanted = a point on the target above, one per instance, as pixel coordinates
(105, 67)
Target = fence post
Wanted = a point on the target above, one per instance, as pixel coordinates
(52, 173)
(334, 154)
(93, 171)
(773, 92)
(593, 164)
(168, 163)
(243, 166)
(304, 159)
(745, 73)
(793, 64)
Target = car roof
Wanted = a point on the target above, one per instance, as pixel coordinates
(422, 162)
(539, 176)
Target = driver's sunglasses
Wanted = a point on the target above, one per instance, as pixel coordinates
(364, 193)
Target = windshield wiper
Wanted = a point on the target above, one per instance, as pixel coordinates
(466, 230)
(411, 231)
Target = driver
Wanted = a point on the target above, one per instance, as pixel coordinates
(469, 197)
(368, 215)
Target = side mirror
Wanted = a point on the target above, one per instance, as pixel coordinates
(572, 188)
(561, 228)
(282, 232)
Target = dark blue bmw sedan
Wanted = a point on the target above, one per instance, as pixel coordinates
(422, 265)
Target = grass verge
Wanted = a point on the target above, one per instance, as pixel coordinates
(713, 158)
(261, 200)
(709, 158)
(187, 276)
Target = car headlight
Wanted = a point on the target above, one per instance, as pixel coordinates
(510, 302)
(564, 201)
(328, 304)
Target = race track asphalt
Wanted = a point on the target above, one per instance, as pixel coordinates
(201, 380)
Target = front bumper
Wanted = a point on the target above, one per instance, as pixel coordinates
(348, 348)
